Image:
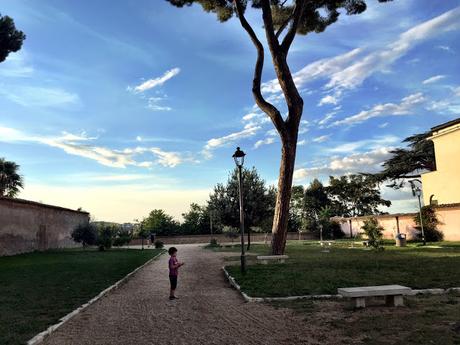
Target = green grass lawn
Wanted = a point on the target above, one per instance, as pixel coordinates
(37, 289)
(311, 271)
(424, 320)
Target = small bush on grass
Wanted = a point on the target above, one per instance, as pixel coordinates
(105, 236)
(85, 234)
(122, 237)
(374, 233)
(230, 232)
(430, 223)
(159, 244)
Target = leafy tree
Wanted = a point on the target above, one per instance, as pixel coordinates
(10, 180)
(10, 38)
(374, 232)
(430, 225)
(355, 195)
(282, 21)
(105, 236)
(315, 199)
(122, 237)
(258, 201)
(85, 233)
(408, 162)
(196, 221)
(160, 223)
(296, 208)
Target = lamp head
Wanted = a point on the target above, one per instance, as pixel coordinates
(238, 156)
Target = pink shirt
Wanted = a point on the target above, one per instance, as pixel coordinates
(172, 262)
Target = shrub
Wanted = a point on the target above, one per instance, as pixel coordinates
(159, 244)
(122, 237)
(374, 232)
(85, 234)
(430, 223)
(213, 242)
(230, 232)
(336, 230)
(105, 235)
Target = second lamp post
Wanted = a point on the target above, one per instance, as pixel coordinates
(238, 156)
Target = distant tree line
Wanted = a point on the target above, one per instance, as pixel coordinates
(311, 207)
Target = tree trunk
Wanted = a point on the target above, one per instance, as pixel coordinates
(283, 198)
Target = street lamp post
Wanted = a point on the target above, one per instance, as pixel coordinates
(238, 156)
(417, 191)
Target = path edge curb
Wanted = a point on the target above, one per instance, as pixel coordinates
(40, 337)
(248, 298)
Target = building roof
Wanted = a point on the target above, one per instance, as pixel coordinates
(445, 125)
(34, 203)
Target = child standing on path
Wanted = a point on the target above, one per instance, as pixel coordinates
(174, 265)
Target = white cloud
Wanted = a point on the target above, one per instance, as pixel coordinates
(355, 74)
(301, 142)
(303, 128)
(321, 139)
(384, 125)
(228, 139)
(271, 133)
(16, 66)
(406, 107)
(78, 145)
(367, 162)
(329, 99)
(34, 97)
(433, 79)
(151, 83)
(153, 104)
(327, 118)
(446, 48)
(318, 69)
(349, 70)
(367, 144)
(267, 141)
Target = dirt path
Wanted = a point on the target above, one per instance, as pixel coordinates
(208, 311)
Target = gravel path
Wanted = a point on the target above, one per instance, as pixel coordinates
(208, 311)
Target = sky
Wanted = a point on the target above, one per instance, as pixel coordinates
(122, 107)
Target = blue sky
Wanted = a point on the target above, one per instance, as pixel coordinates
(122, 107)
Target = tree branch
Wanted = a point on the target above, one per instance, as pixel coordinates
(268, 108)
(289, 38)
(283, 26)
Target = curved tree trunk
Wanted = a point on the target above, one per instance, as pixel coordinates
(283, 197)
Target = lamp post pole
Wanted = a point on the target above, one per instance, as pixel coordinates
(238, 156)
(417, 191)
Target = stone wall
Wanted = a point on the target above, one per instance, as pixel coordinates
(221, 238)
(27, 226)
(448, 216)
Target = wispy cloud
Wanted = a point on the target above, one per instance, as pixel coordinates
(433, 79)
(35, 96)
(154, 82)
(329, 99)
(229, 139)
(356, 73)
(359, 162)
(349, 70)
(154, 104)
(405, 107)
(79, 145)
(267, 141)
(16, 66)
(321, 139)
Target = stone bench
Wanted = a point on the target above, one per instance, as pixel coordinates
(264, 259)
(393, 294)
